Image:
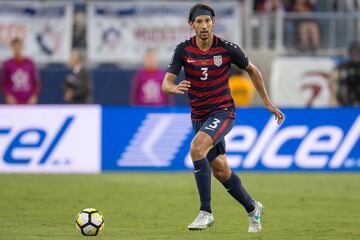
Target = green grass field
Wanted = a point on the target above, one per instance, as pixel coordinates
(160, 206)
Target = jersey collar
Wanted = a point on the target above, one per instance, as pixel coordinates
(214, 43)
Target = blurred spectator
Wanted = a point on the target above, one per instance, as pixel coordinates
(307, 27)
(345, 82)
(241, 87)
(20, 81)
(268, 5)
(146, 85)
(77, 86)
(267, 18)
(259, 5)
(344, 5)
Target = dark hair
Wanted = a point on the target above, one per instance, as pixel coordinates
(200, 6)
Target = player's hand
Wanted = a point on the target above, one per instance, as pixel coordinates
(279, 116)
(182, 87)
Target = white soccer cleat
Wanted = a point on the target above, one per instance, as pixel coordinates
(254, 218)
(202, 221)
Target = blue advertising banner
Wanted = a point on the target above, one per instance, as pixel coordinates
(159, 139)
(50, 139)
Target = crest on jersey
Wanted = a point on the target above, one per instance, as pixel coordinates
(218, 60)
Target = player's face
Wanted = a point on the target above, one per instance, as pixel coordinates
(203, 26)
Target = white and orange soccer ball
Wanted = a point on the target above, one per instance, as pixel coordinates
(90, 222)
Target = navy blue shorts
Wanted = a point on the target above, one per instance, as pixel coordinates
(217, 126)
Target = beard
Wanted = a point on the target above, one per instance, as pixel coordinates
(204, 35)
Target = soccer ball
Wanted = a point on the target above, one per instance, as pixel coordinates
(90, 222)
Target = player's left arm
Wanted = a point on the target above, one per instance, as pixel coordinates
(241, 60)
(258, 82)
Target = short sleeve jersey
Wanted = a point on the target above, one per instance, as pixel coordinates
(208, 72)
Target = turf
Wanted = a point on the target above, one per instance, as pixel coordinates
(160, 206)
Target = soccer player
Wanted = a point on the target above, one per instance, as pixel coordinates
(20, 78)
(206, 59)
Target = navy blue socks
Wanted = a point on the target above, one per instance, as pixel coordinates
(202, 174)
(237, 191)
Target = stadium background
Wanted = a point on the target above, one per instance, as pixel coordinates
(110, 135)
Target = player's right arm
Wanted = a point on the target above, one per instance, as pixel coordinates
(169, 86)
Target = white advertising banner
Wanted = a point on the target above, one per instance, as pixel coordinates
(50, 139)
(45, 27)
(121, 32)
(301, 81)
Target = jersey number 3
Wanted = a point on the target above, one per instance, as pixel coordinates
(204, 73)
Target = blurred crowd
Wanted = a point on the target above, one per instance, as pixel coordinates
(303, 29)
(345, 80)
(314, 5)
(20, 80)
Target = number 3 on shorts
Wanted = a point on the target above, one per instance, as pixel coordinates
(213, 125)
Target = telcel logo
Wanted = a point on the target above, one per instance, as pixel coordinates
(31, 139)
(326, 146)
(320, 147)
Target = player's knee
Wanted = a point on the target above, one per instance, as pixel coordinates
(197, 151)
